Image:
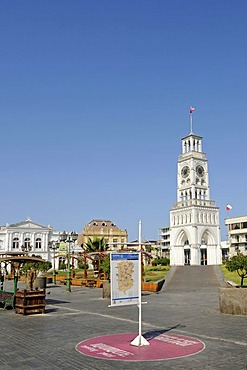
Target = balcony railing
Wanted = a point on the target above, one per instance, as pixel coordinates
(194, 202)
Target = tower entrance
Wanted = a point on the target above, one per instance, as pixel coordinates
(187, 257)
(203, 256)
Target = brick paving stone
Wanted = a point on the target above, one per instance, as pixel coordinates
(188, 304)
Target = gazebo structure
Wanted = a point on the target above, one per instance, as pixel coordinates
(16, 260)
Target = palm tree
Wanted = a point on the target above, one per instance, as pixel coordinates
(94, 247)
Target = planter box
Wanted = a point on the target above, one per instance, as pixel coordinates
(61, 277)
(148, 287)
(233, 301)
(79, 282)
(28, 302)
(87, 282)
(153, 287)
(99, 283)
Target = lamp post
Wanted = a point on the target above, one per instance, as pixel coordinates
(26, 248)
(68, 238)
(54, 245)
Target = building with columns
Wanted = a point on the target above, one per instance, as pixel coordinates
(194, 218)
(33, 236)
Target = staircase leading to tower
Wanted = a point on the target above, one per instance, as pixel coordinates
(193, 277)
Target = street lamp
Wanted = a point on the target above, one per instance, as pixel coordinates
(68, 238)
(54, 245)
(26, 248)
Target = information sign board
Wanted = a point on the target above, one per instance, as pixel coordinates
(124, 278)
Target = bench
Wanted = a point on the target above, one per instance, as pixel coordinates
(7, 299)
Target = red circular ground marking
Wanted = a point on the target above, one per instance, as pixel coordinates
(162, 346)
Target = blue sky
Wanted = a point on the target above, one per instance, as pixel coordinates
(94, 101)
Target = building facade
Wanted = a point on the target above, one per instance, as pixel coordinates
(237, 235)
(164, 241)
(35, 239)
(194, 218)
(113, 236)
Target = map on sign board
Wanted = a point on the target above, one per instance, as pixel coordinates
(124, 278)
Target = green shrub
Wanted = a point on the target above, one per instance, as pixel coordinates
(105, 265)
(81, 265)
(161, 261)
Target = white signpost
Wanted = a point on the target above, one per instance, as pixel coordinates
(126, 283)
(124, 279)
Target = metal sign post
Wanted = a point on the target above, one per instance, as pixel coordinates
(140, 340)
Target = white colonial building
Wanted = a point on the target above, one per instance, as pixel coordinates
(35, 239)
(194, 218)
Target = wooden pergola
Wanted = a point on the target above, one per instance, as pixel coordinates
(17, 259)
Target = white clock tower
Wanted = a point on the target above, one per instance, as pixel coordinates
(194, 218)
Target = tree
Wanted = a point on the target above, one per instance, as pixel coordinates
(105, 266)
(42, 266)
(238, 263)
(31, 270)
(95, 246)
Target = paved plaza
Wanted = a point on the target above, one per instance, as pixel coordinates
(188, 305)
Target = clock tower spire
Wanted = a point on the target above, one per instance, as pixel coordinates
(194, 218)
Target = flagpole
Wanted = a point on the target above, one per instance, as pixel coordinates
(191, 112)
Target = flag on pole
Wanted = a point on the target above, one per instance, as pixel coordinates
(228, 207)
(192, 109)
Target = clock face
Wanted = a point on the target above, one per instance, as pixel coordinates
(199, 171)
(185, 171)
